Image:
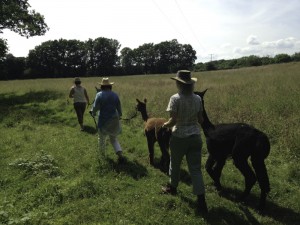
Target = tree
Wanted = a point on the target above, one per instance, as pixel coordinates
(145, 58)
(102, 56)
(282, 58)
(58, 58)
(3, 49)
(296, 57)
(127, 61)
(16, 16)
(13, 68)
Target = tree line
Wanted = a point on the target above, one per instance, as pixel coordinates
(98, 57)
(246, 61)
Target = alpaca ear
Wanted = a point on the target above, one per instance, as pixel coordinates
(138, 101)
(97, 89)
(145, 100)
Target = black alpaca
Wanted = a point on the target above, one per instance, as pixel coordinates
(240, 141)
(153, 133)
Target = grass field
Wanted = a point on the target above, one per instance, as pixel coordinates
(49, 169)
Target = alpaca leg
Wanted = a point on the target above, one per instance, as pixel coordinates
(165, 156)
(151, 152)
(214, 169)
(150, 134)
(263, 180)
(249, 175)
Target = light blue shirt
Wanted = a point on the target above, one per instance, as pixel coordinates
(108, 104)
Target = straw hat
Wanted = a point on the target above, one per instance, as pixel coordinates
(184, 76)
(105, 82)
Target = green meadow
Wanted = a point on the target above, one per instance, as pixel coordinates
(49, 172)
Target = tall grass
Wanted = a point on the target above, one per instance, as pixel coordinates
(50, 173)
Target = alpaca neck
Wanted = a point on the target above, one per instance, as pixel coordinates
(145, 115)
(206, 125)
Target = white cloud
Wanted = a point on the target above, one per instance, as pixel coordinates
(289, 42)
(247, 50)
(253, 40)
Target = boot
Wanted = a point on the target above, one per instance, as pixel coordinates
(201, 205)
(121, 158)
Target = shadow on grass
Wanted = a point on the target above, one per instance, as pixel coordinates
(222, 215)
(14, 106)
(90, 130)
(184, 175)
(133, 169)
(11, 99)
(279, 213)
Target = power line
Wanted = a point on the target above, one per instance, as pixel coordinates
(169, 21)
(189, 25)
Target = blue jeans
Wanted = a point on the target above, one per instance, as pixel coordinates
(191, 148)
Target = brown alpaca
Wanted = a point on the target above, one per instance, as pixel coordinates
(153, 133)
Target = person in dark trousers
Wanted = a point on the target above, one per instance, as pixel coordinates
(185, 110)
(108, 104)
(81, 100)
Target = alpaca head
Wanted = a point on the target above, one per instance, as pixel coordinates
(141, 106)
(200, 93)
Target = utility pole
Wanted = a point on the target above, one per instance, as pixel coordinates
(211, 56)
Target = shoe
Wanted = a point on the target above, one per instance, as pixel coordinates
(121, 158)
(168, 189)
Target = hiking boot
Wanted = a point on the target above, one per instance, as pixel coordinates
(168, 189)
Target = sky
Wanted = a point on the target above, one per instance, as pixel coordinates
(216, 29)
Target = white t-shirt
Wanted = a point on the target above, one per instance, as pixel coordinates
(79, 94)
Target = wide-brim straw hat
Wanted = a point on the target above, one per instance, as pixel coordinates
(185, 77)
(105, 82)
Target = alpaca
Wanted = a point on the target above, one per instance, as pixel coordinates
(240, 141)
(154, 132)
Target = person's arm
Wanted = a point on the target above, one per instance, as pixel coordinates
(86, 96)
(200, 114)
(96, 105)
(71, 94)
(172, 120)
(200, 117)
(119, 108)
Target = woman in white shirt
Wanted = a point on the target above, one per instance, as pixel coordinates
(80, 99)
(185, 110)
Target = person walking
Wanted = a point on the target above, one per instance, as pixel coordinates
(185, 110)
(80, 99)
(108, 104)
